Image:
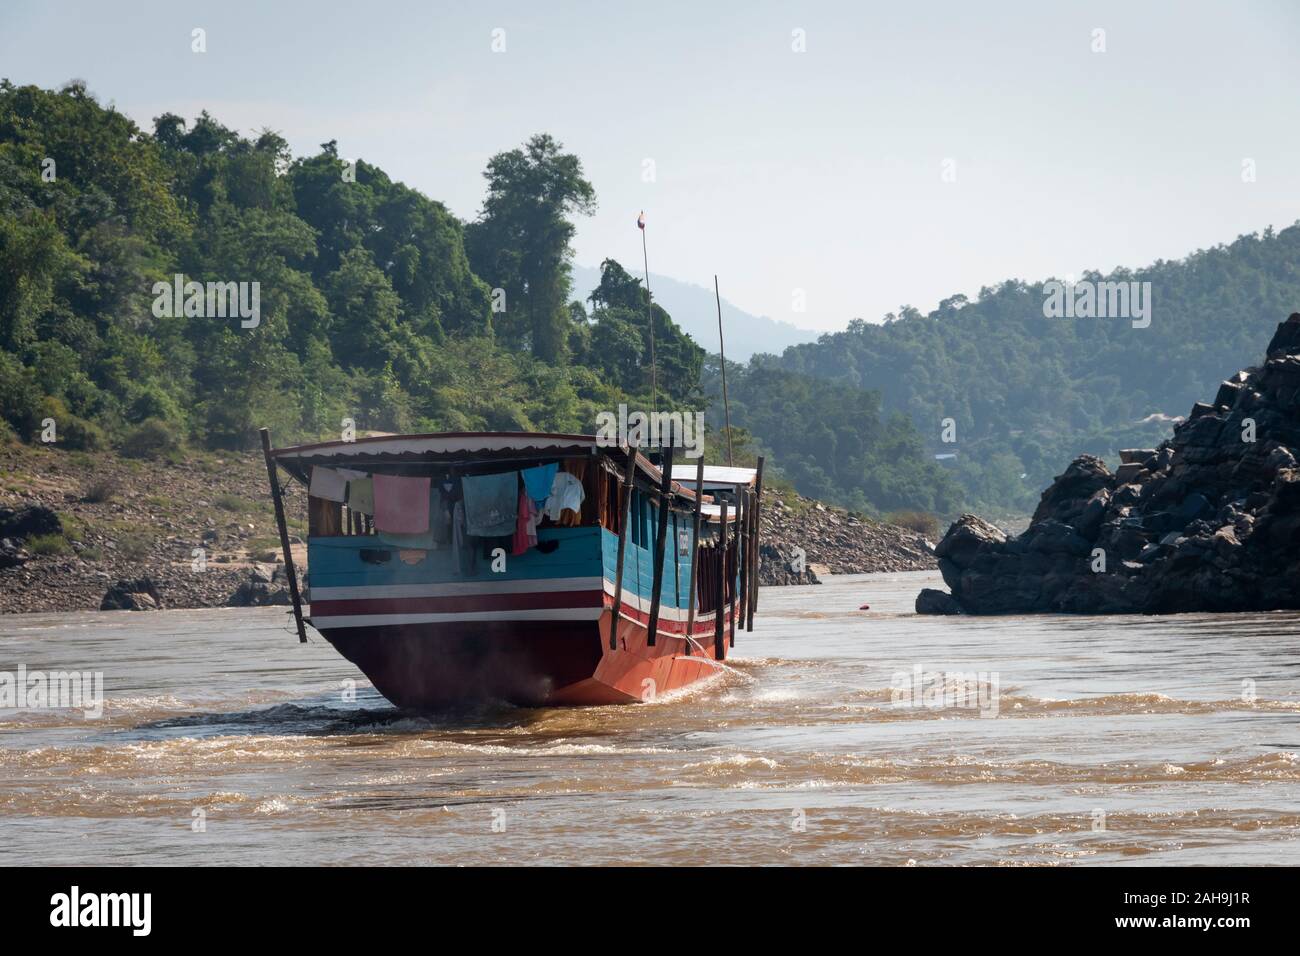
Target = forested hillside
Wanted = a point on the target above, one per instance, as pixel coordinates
(376, 303)
(379, 305)
(1026, 393)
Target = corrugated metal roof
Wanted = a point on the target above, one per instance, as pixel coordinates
(715, 475)
(438, 444)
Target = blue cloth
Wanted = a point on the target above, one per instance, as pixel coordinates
(491, 504)
(537, 481)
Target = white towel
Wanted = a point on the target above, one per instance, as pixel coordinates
(566, 492)
(332, 483)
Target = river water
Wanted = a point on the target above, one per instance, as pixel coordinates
(1060, 740)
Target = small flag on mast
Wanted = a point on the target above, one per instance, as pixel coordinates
(640, 220)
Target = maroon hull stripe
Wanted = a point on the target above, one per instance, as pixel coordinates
(478, 602)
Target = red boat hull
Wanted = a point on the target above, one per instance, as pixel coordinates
(432, 666)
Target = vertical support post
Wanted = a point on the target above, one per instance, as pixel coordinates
(758, 513)
(624, 521)
(743, 507)
(278, 501)
(719, 614)
(695, 550)
(751, 559)
(677, 562)
(661, 539)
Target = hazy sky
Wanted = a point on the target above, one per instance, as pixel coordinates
(780, 170)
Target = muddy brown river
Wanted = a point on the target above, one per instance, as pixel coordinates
(834, 736)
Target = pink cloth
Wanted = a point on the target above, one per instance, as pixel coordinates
(526, 524)
(401, 504)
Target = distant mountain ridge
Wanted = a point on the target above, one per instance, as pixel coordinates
(693, 308)
(1015, 392)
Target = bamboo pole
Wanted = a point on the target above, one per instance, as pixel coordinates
(278, 501)
(624, 505)
(695, 550)
(661, 539)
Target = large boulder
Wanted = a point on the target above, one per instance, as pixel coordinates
(933, 601)
(264, 588)
(1069, 494)
(140, 594)
(12, 554)
(966, 538)
(30, 521)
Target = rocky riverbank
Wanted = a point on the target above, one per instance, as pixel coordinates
(83, 531)
(1209, 521)
(801, 539)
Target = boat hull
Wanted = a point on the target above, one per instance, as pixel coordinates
(436, 665)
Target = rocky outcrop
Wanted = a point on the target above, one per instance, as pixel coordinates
(779, 565)
(140, 594)
(808, 535)
(262, 589)
(1209, 521)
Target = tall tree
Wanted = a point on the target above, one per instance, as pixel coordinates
(521, 242)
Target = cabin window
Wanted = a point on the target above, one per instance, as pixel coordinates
(324, 517)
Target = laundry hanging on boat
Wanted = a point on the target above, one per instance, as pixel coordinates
(566, 494)
(538, 480)
(408, 542)
(526, 525)
(361, 495)
(401, 504)
(438, 534)
(331, 484)
(491, 504)
(466, 555)
(440, 505)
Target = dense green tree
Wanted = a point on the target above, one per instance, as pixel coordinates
(621, 340)
(521, 242)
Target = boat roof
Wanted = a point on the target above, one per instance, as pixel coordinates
(716, 476)
(441, 445)
(469, 448)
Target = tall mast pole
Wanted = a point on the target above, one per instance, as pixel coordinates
(722, 353)
(650, 316)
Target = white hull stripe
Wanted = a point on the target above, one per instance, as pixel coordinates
(457, 589)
